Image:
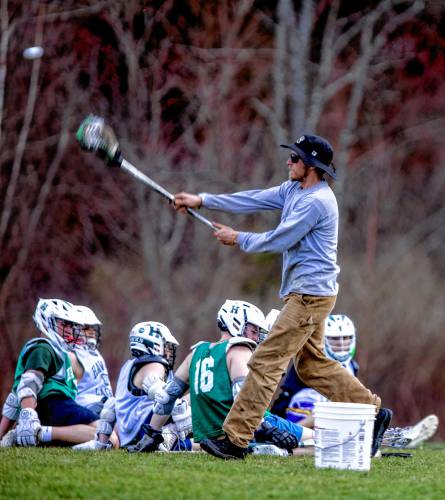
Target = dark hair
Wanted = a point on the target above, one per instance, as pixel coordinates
(321, 172)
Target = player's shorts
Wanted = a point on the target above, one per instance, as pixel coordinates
(284, 425)
(58, 410)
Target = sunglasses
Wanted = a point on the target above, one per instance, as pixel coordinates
(294, 158)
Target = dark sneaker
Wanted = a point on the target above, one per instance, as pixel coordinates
(381, 423)
(223, 448)
(269, 434)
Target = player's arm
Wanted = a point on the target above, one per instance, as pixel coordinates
(167, 396)
(150, 378)
(165, 399)
(237, 358)
(31, 383)
(38, 365)
(28, 424)
(78, 368)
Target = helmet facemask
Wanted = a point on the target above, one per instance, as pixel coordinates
(340, 338)
(341, 348)
(254, 332)
(92, 336)
(242, 319)
(170, 353)
(91, 326)
(72, 333)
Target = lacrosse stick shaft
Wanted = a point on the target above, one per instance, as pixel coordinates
(132, 170)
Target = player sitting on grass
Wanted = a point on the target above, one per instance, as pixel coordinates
(215, 372)
(44, 389)
(153, 348)
(296, 400)
(93, 382)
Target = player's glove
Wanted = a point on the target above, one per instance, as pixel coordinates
(149, 442)
(182, 417)
(28, 427)
(11, 407)
(268, 433)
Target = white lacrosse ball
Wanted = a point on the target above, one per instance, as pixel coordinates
(33, 52)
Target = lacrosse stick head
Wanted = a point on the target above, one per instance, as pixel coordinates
(94, 135)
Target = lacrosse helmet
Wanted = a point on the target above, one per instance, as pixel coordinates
(339, 338)
(91, 325)
(271, 317)
(59, 321)
(151, 337)
(235, 316)
(302, 404)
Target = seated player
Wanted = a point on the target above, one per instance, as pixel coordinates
(153, 350)
(93, 382)
(296, 400)
(44, 389)
(215, 372)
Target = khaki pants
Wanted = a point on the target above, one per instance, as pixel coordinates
(298, 334)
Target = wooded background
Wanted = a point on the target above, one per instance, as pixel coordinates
(201, 94)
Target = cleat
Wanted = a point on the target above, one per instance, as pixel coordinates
(93, 445)
(267, 449)
(423, 431)
(170, 438)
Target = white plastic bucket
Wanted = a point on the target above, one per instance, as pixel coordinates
(343, 435)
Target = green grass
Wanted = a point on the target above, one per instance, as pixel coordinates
(61, 473)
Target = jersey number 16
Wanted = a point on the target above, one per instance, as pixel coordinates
(203, 375)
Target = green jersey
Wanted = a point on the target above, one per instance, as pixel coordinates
(210, 389)
(38, 354)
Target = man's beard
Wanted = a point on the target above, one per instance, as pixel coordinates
(303, 176)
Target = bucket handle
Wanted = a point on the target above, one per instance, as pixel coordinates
(362, 425)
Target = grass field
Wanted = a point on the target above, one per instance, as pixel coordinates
(60, 473)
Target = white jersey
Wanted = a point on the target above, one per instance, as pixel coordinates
(302, 402)
(94, 385)
(133, 406)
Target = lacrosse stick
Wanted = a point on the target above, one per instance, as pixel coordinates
(94, 135)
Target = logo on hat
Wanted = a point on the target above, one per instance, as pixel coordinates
(301, 139)
(314, 153)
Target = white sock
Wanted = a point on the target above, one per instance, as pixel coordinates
(307, 434)
(46, 433)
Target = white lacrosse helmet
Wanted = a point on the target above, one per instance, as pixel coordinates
(91, 323)
(271, 317)
(234, 316)
(339, 338)
(302, 404)
(151, 337)
(46, 316)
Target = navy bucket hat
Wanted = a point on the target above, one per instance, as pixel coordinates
(315, 152)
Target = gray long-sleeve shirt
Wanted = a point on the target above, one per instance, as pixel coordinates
(306, 236)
